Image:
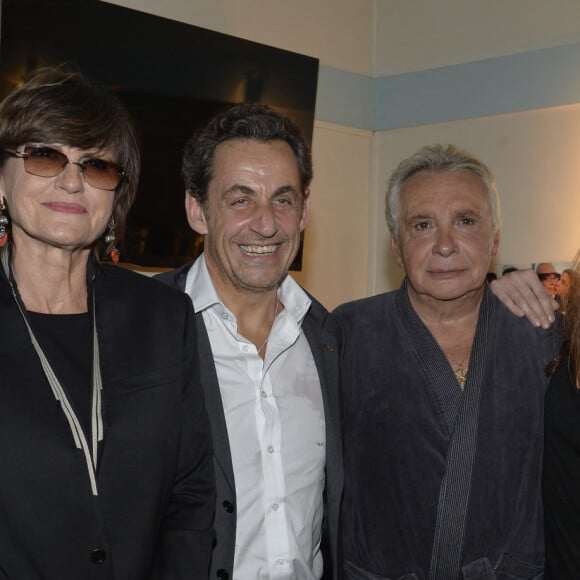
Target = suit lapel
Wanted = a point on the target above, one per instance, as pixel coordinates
(214, 405)
(325, 353)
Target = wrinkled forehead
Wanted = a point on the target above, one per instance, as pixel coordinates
(438, 189)
(256, 162)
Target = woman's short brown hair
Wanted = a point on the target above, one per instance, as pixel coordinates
(60, 105)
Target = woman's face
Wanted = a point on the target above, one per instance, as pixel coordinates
(63, 211)
(564, 283)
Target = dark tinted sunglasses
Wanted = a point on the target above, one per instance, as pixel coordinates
(45, 161)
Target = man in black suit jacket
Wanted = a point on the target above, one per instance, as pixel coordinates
(269, 365)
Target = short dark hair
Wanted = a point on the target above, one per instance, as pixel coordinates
(60, 105)
(245, 122)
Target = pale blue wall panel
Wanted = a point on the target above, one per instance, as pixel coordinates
(532, 80)
(344, 98)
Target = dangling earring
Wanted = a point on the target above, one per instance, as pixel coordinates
(4, 221)
(110, 239)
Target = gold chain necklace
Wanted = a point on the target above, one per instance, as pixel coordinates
(267, 337)
(459, 371)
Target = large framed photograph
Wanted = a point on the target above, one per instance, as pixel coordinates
(173, 77)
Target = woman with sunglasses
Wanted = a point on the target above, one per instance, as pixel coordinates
(105, 460)
(549, 277)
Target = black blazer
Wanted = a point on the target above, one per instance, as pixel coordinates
(326, 358)
(152, 517)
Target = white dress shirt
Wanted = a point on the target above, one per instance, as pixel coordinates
(275, 419)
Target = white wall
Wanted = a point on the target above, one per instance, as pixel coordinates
(535, 157)
(335, 263)
(414, 35)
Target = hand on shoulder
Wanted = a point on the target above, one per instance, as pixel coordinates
(524, 295)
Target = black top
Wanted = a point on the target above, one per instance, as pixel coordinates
(67, 344)
(562, 478)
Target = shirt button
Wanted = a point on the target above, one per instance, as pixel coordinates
(264, 394)
(270, 449)
(225, 315)
(228, 506)
(245, 348)
(275, 507)
(98, 556)
(279, 562)
(222, 574)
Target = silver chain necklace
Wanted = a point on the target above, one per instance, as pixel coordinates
(78, 434)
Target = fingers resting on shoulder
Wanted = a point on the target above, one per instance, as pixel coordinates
(524, 295)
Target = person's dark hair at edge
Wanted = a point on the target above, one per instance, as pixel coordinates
(62, 106)
(245, 122)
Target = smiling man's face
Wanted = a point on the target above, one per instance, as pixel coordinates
(253, 217)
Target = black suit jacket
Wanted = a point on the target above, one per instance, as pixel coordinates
(325, 355)
(153, 515)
